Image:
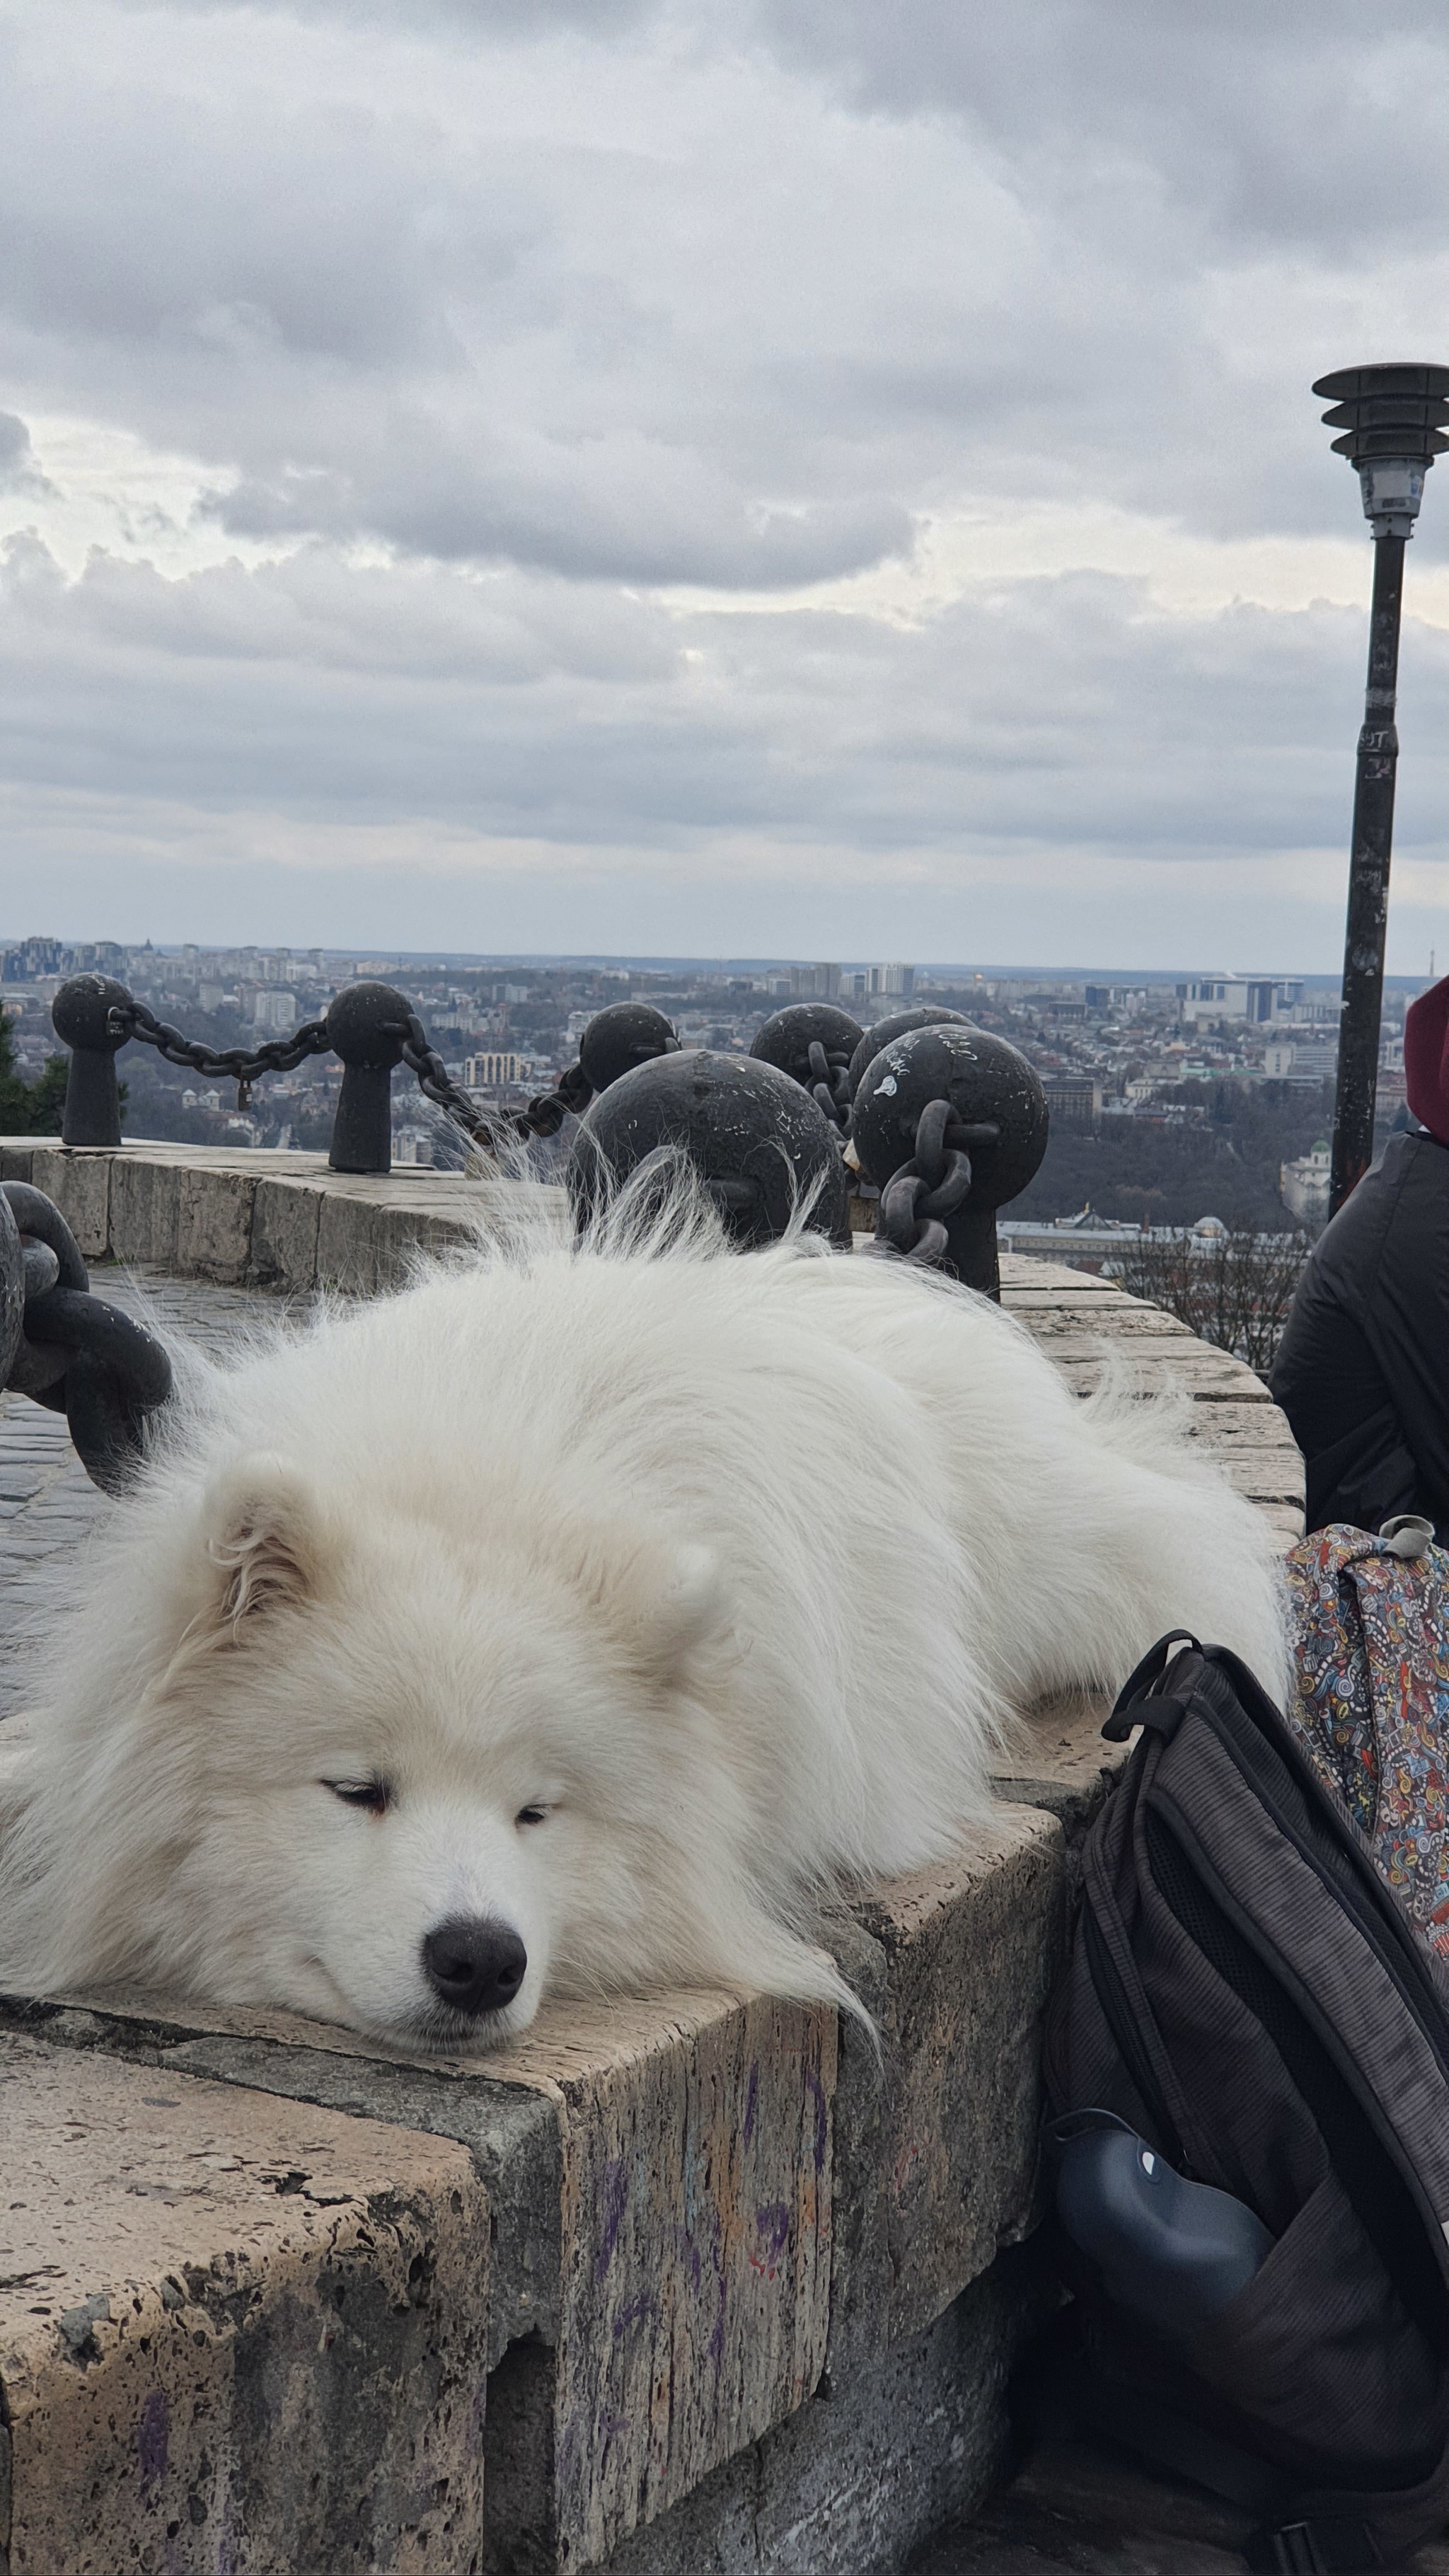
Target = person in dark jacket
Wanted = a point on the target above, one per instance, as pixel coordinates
(1362, 1371)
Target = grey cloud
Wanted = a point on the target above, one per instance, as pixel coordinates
(746, 347)
(18, 470)
(532, 709)
(553, 305)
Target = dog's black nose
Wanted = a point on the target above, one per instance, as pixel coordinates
(474, 1964)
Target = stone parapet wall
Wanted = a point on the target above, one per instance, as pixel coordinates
(698, 2285)
(263, 1220)
(705, 2212)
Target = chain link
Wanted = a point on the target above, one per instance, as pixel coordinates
(280, 1055)
(74, 1353)
(543, 1116)
(830, 1083)
(916, 1201)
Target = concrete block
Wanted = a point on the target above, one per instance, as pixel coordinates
(17, 1153)
(234, 2333)
(347, 1245)
(659, 2175)
(696, 2258)
(79, 1181)
(873, 2467)
(285, 1220)
(214, 1226)
(145, 1193)
(936, 2150)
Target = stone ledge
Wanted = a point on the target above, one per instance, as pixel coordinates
(254, 1219)
(693, 2208)
(232, 2332)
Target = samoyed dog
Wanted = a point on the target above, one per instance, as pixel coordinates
(584, 1618)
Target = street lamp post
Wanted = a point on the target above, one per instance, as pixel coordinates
(1391, 418)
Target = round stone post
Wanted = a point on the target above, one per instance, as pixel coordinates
(756, 1139)
(80, 1017)
(998, 1120)
(366, 1024)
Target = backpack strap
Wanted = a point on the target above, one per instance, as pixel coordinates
(1140, 1702)
(1314, 2549)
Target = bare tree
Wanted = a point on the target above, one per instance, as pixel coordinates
(1232, 1289)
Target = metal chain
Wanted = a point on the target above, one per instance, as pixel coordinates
(830, 1083)
(917, 1199)
(74, 1353)
(434, 1080)
(542, 1117)
(132, 1019)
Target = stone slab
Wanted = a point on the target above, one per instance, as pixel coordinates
(214, 1225)
(233, 2333)
(936, 2138)
(144, 1199)
(660, 2180)
(269, 1218)
(285, 1218)
(81, 1189)
(873, 2467)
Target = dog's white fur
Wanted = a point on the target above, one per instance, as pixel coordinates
(735, 1566)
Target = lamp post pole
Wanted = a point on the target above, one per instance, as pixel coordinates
(1391, 418)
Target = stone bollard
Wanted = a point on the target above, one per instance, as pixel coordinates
(620, 1037)
(80, 1018)
(756, 1139)
(921, 1015)
(997, 1119)
(366, 1025)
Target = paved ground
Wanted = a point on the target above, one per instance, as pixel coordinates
(1077, 2510)
(47, 1501)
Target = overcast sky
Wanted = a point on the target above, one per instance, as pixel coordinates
(821, 477)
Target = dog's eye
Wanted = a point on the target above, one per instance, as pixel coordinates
(374, 1795)
(530, 1815)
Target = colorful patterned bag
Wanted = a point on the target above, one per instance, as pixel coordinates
(1371, 1639)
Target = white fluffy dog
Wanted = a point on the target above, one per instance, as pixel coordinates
(578, 1620)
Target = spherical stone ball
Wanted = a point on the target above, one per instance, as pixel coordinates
(984, 1079)
(79, 1012)
(756, 1139)
(357, 1020)
(616, 1039)
(786, 1039)
(921, 1015)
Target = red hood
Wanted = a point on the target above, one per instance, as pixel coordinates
(1426, 1059)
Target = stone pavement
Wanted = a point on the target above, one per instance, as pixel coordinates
(1077, 2509)
(47, 1501)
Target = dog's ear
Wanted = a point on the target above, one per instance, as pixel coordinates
(658, 1600)
(262, 1532)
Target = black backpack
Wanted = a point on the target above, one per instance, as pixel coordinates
(1244, 1993)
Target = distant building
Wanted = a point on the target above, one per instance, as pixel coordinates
(1253, 999)
(1073, 1100)
(497, 1070)
(1303, 1186)
(33, 957)
(275, 1009)
(815, 983)
(893, 980)
(412, 1145)
(1306, 1060)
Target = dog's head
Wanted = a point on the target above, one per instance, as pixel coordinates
(413, 1773)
